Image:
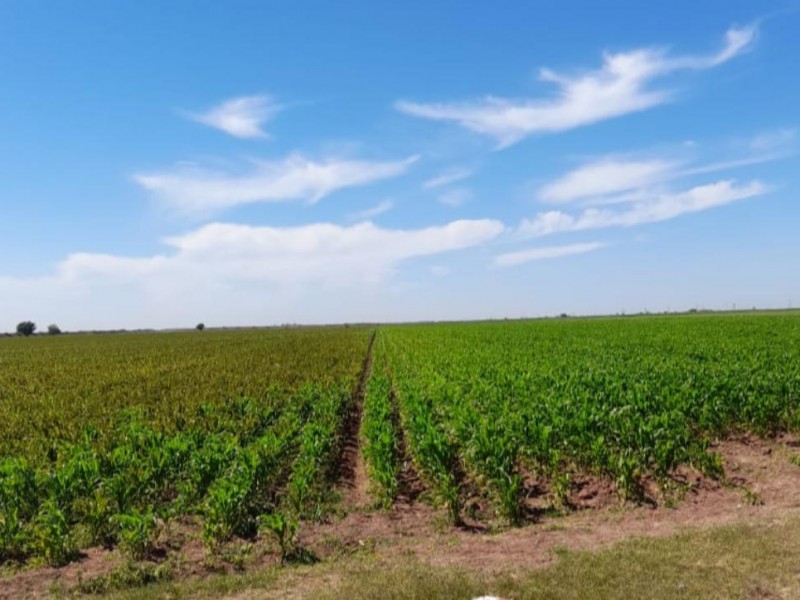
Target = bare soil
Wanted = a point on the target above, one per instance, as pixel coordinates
(353, 480)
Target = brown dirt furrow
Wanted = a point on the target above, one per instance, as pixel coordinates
(353, 479)
(410, 485)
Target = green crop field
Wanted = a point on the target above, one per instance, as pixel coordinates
(620, 398)
(105, 438)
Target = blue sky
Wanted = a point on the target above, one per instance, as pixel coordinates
(265, 162)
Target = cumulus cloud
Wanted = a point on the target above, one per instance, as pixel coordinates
(620, 86)
(519, 257)
(646, 208)
(194, 190)
(447, 177)
(282, 255)
(237, 274)
(241, 117)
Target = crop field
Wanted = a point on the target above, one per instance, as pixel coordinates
(103, 436)
(106, 438)
(624, 399)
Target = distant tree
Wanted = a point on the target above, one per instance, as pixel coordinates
(200, 326)
(26, 328)
(53, 329)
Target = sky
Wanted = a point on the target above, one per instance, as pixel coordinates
(256, 163)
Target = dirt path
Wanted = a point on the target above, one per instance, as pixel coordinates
(353, 479)
(410, 485)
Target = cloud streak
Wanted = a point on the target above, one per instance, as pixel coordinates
(199, 191)
(455, 197)
(660, 206)
(241, 117)
(621, 179)
(382, 207)
(447, 177)
(511, 259)
(619, 87)
(606, 176)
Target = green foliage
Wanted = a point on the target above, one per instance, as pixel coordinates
(319, 449)
(26, 328)
(620, 398)
(52, 536)
(54, 388)
(113, 476)
(379, 432)
(136, 533)
(284, 528)
(104, 437)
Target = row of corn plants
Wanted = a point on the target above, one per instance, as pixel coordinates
(378, 430)
(626, 399)
(117, 492)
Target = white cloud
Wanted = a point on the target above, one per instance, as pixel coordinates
(241, 117)
(382, 207)
(193, 190)
(615, 179)
(523, 256)
(308, 253)
(447, 177)
(606, 176)
(455, 197)
(236, 274)
(617, 88)
(661, 206)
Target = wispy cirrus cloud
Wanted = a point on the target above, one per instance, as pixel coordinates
(447, 177)
(380, 208)
(194, 190)
(455, 197)
(241, 117)
(644, 207)
(619, 179)
(606, 176)
(510, 259)
(620, 86)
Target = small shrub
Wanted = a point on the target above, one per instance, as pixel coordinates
(284, 528)
(53, 538)
(136, 532)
